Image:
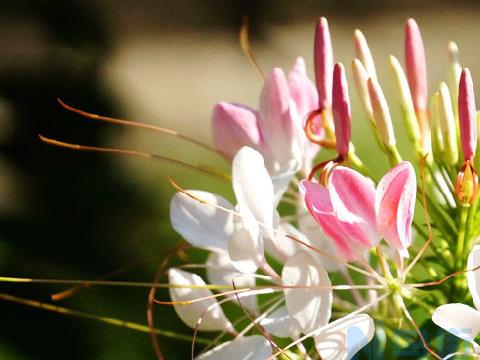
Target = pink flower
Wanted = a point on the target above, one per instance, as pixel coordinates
(467, 115)
(276, 129)
(341, 111)
(356, 216)
(323, 59)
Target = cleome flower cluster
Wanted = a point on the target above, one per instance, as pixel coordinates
(316, 256)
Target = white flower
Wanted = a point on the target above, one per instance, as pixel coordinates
(459, 319)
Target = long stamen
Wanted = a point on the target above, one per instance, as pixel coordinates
(265, 334)
(134, 153)
(125, 122)
(150, 310)
(108, 320)
(247, 49)
(311, 129)
(442, 280)
(323, 328)
(427, 219)
(151, 297)
(109, 283)
(270, 305)
(417, 329)
(73, 290)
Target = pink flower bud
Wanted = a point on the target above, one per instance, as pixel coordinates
(416, 65)
(234, 126)
(467, 115)
(341, 111)
(323, 58)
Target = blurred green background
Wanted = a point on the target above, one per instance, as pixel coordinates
(67, 215)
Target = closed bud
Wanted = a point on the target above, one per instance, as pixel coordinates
(341, 111)
(405, 101)
(466, 186)
(416, 65)
(363, 53)
(447, 125)
(323, 59)
(381, 114)
(467, 115)
(454, 72)
(361, 81)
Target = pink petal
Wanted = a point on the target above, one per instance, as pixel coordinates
(234, 126)
(305, 97)
(341, 110)
(275, 117)
(348, 238)
(416, 65)
(302, 90)
(353, 199)
(395, 204)
(467, 115)
(323, 58)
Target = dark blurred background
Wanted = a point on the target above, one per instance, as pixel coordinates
(70, 215)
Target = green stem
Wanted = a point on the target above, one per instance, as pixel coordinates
(470, 223)
(394, 156)
(357, 163)
(459, 255)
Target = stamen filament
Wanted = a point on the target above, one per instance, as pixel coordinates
(124, 122)
(134, 153)
(247, 49)
(327, 326)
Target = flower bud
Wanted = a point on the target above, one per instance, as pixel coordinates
(406, 102)
(361, 81)
(454, 71)
(447, 125)
(341, 111)
(467, 115)
(323, 59)
(416, 65)
(381, 114)
(363, 53)
(466, 186)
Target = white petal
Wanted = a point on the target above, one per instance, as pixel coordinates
(244, 348)
(221, 271)
(458, 319)
(245, 246)
(281, 324)
(280, 182)
(212, 320)
(311, 306)
(345, 337)
(287, 246)
(253, 187)
(473, 277)
(200, 224)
